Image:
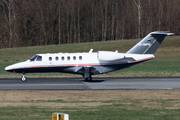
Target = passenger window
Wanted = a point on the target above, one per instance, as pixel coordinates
(62, 58)
(74, 58)
(39, 58)
(80, 57)
(50, 58)
(68, 58)
(57, 58)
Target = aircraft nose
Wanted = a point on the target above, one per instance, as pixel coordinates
(14, 67)
(8, 68)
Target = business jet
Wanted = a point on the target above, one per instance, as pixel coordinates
(91, 63)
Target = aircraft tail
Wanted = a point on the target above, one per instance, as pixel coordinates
(150, 43)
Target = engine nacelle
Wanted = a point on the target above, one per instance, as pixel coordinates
(109, 56)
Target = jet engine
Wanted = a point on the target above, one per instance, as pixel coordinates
(109, 56)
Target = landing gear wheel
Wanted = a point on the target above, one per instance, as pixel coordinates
(23, 78)
(88, 79)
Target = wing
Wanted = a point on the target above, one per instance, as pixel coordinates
(88, 69)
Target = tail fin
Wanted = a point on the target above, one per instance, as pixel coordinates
(150, 43)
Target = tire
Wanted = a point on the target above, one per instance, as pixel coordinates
(88, 79)
(23, 78)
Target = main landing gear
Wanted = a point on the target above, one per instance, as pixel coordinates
(88, 79)
(87, 75)
(23, 78)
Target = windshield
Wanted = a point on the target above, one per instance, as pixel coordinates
(39, 58)
(33, 58)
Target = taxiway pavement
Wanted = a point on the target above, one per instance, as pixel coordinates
(97, 83)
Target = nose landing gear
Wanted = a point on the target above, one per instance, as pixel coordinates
(23, 78)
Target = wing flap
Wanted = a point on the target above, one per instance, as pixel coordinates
(91, 70)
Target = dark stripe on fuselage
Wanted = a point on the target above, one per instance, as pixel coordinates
(40, 69)
(73, 69)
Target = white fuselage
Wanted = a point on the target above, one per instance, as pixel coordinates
(101, 62)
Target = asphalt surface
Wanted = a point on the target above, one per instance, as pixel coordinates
(96, 84)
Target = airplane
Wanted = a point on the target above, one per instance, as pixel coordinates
(91, 63)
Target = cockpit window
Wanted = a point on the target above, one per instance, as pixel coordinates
(33, 58)
(39, 58)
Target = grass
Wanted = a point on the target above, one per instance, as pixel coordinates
(105, 113)
(91, 104)
(166, 63)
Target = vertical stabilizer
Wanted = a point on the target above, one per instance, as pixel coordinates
(150, 43)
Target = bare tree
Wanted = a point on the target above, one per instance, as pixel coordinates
(10, 18)
(43, 22)
(74, 21)
(59, 22)
(138, 4)
(79, 30)
(112, 19)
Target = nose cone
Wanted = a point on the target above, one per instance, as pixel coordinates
(15, 67)
(9, 68)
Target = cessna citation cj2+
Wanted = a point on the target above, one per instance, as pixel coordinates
(91, 63)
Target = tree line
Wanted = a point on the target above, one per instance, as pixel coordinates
(45, 22)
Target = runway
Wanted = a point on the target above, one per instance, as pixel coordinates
(96, 84)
